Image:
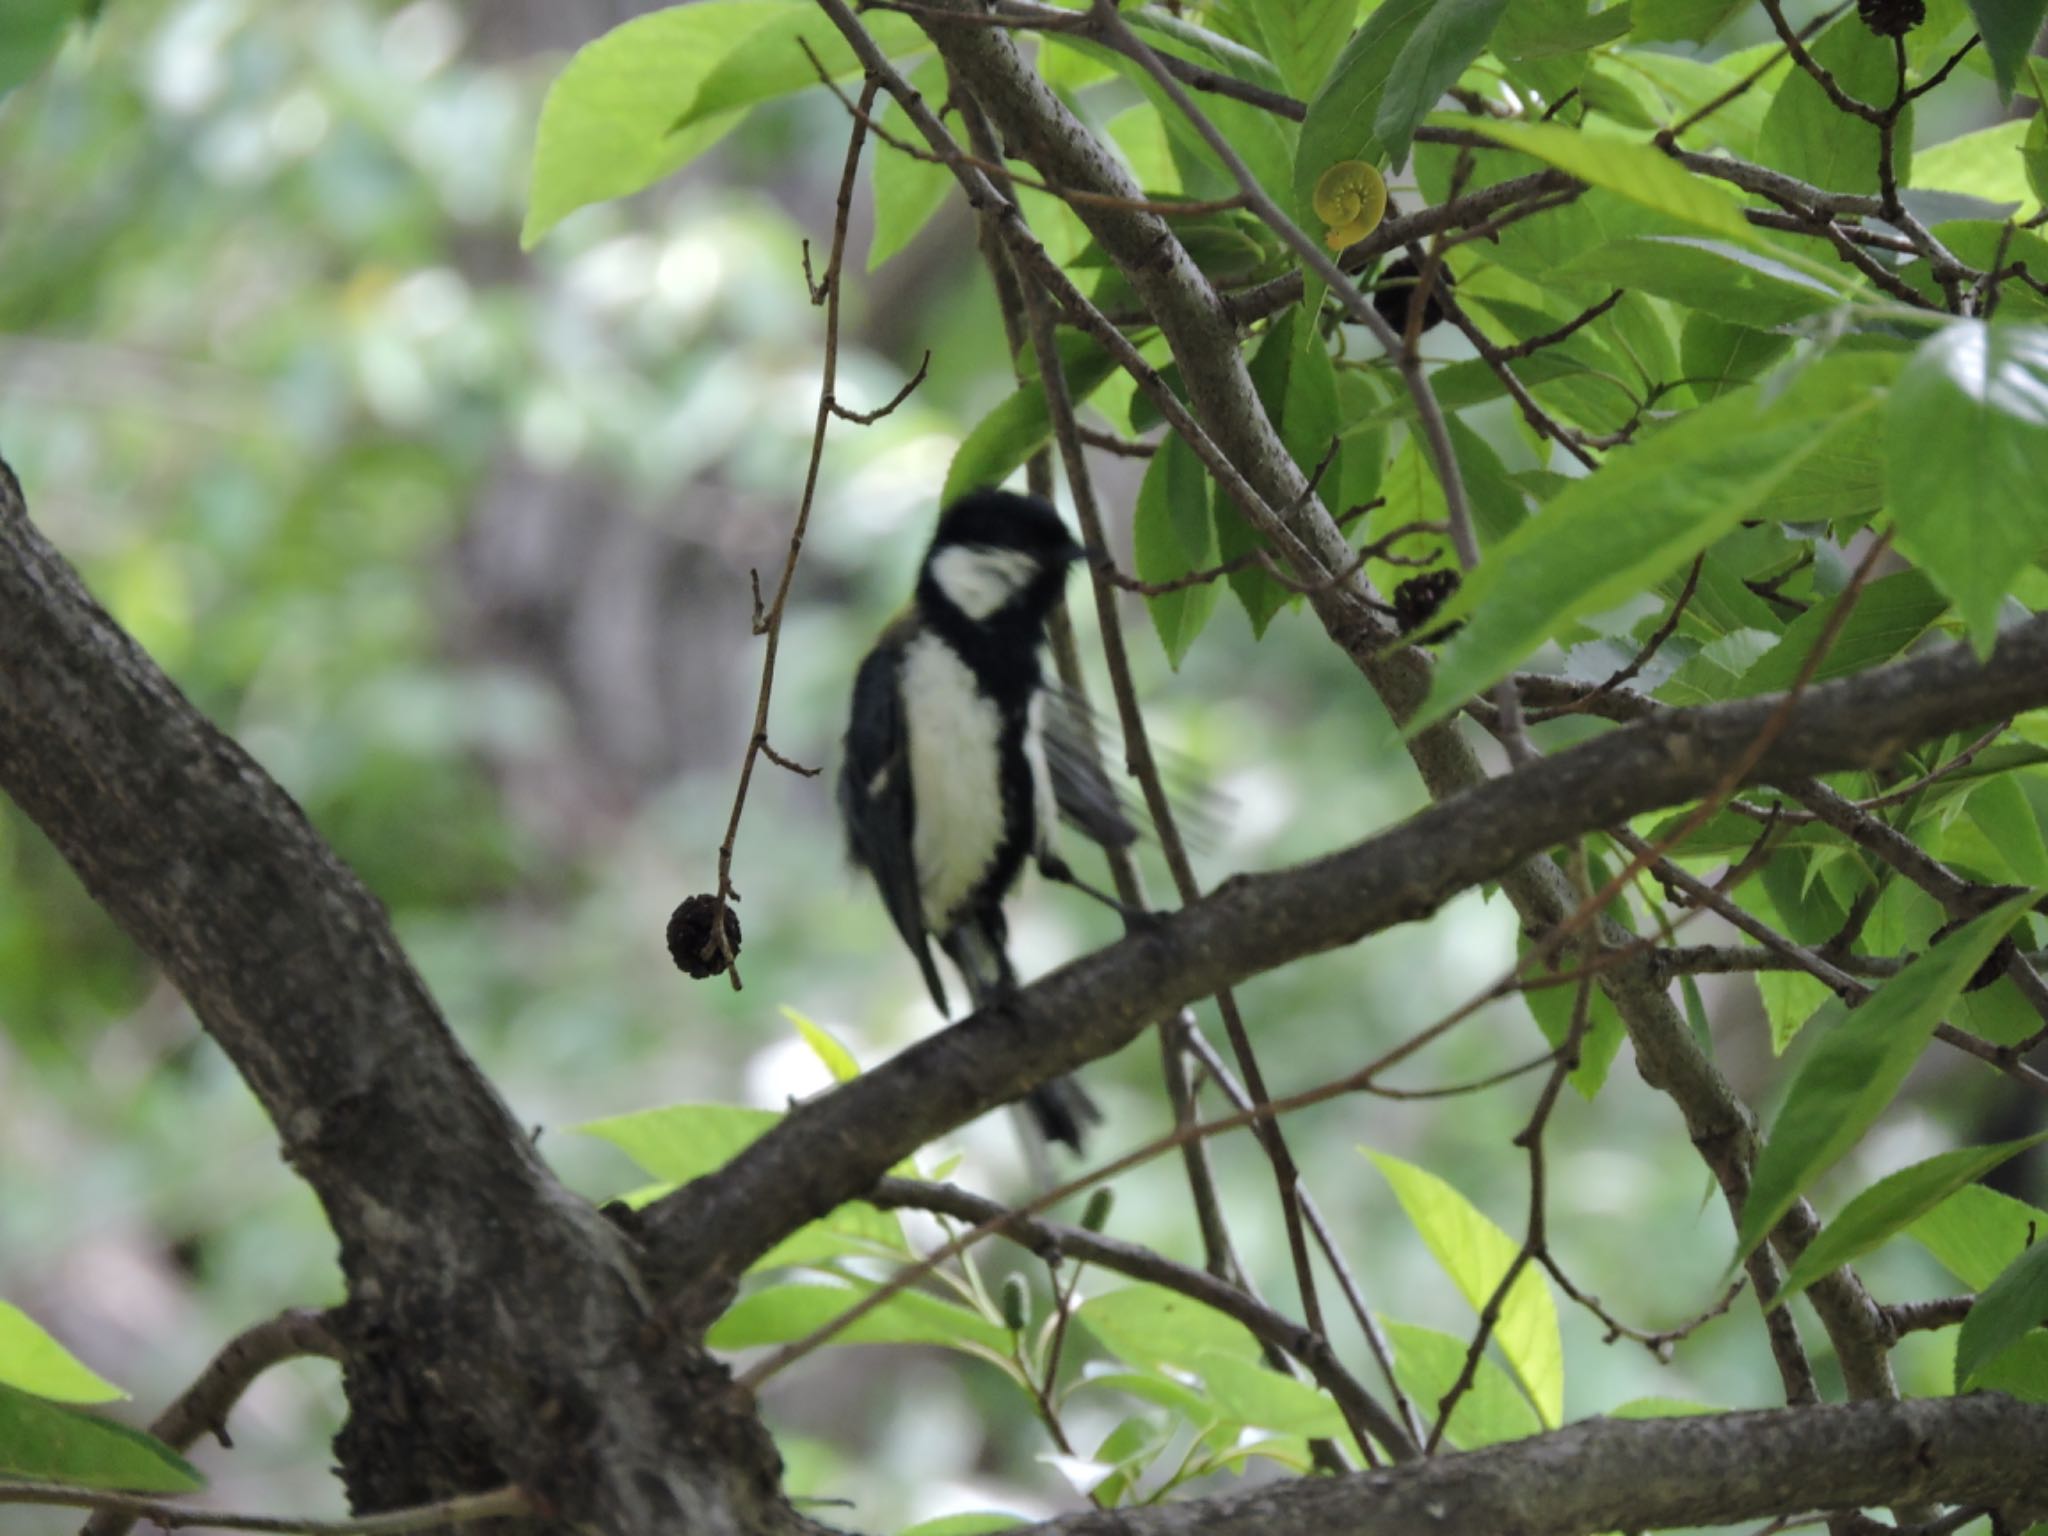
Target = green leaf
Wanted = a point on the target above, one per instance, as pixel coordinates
(605, 126)
(2011, 1306)
(907, 191)
(1476, 1254)
(1343, 115)
(1738, 285)
(1891, 1205)
(770, 62)
(827, 1047)
(1427, 1364)
(1173, 534)
(1251, 1392)
(976, 1522)
(1986, 164)
(1546, 29)
(2008, 28)
(2021, 1371)
(1298, 388)
(1658, 1408)
(1303, 36)
(1148, 1325)
(30, 32)
(1551, 1007)
(1806, 136)
(777, 1314)
(1856, 1068)
(1686, 21)
(33, 1361)
(680, 1142)
(1968, 425)
(1977, 1232)
(1434, 54)
(1889, 615)
(49, 1443)
(1008, 435)
(1718, 357)
(1633, 171)
(1649, 510)
(2001, 811)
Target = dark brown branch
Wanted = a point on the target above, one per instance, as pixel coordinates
(202, 1408)
(1251, 923)
(1610, 1474)
(1052, 1240)
(169, 1515)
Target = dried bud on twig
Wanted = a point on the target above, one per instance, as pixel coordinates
(691, 943)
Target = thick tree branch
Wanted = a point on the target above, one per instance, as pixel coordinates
(835, 1147)
(1649, 1474)
(490, 1311)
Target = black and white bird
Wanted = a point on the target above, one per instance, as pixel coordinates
(960, 759)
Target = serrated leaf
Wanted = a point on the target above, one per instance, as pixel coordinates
(1807, 136)
(1302, 37)
(771, 61)
(1857, 1067)
(35, 1362)
(2008, 28)
(1148, 1325)
(1737, 285)
(1476, 1254)
(1172, 535)
(1298, 388)
(605, 125)
(47, 1442)
(1889, 615)
(1891, 1205)
(1644, 515)
(1020, 424)
(1633, 171)
(1343, 114)
(1433, 55)
(1976, 1232)
(2009, 1308)
(1718, 357)
(778, 1314)
(1968, 423)
(1427, 1364)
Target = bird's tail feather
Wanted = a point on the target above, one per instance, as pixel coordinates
(1059, 1108)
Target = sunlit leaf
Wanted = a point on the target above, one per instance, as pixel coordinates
(1856, 1068)
(1476, 1255)
(771, 60)
(1891, 1205)
(1149, 1325)
(1427, 1364)
(1977, 1231)
(33, 1361)
(1634, 171)
(1253, 1393)
(605, 128)
(1432, 57)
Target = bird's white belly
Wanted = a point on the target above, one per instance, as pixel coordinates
(955, 777)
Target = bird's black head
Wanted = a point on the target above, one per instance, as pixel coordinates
(997, 558)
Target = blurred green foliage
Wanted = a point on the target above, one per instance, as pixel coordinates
(456, 541)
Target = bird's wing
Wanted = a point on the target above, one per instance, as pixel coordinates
(876, 802)
(1077, 739)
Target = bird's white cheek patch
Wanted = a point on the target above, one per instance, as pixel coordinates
(954, 777)
(979, 580)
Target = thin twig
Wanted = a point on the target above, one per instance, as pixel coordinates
(461, 1509)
